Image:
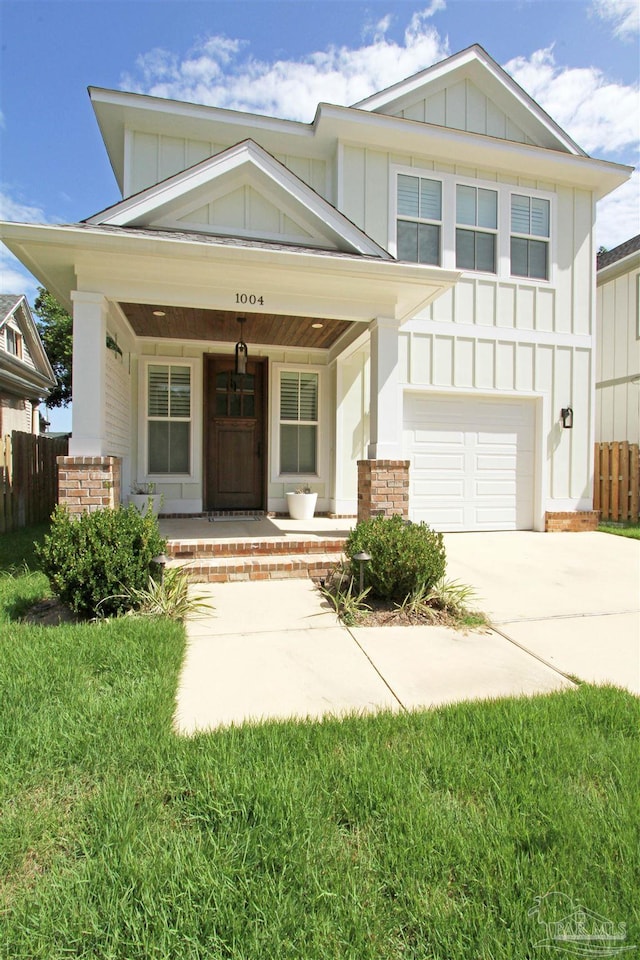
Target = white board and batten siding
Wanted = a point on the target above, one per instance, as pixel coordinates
(472, 461)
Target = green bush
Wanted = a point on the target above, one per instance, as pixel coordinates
(92, 560)
(405, 557)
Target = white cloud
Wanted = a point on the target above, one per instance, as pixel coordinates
(623, 14)
(600, 114)
(215, 71)
(18, 211)
(14, 278)
(618, 216)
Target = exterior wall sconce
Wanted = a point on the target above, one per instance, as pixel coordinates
(362, 558)
(566, 415)
(241, 352)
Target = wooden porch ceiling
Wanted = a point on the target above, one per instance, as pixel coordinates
(189, 323)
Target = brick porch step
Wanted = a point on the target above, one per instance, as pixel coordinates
(242, 549)
(276, 566)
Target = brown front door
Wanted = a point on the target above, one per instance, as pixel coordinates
(234, 435)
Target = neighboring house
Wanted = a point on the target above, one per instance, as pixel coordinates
(417, 274)
(618, 343)
(26, 377)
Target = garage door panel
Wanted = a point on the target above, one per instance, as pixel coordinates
(472, 462)
(450, 489)
(436, 460)
(495, 488)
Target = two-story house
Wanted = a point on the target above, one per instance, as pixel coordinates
(26, 377)
(407, 283)
(618, 343)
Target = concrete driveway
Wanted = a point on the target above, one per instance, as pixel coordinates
(561, 604)
(572, 599)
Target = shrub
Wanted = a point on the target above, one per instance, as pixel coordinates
(92, 560)
(405, 557)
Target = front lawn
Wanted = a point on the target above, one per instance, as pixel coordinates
(621, 529)
(425, 835)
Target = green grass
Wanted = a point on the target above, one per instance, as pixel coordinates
(621, 530)
(422, 835)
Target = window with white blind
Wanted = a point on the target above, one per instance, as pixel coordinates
(530, 229)
(419, 225)
(476, 228)
(168, 419)
(298, 422)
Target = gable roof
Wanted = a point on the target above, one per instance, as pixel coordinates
(474, 63)
(166, 203)
(16, 375)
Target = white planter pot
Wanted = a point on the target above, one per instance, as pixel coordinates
(301, 506)
(141, 502)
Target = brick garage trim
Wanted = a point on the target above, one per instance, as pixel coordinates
(89, 483)
(576, 522)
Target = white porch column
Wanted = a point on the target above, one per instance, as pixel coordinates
(386, 407)
(88, 374)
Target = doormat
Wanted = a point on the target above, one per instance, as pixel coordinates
(240, 517)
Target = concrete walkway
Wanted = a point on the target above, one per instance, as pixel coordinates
(561, 604)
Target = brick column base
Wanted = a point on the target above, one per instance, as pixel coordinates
(383, 488)
(575, 522)
(89, 483)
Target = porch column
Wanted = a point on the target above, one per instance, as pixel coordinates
(385, 436)
(89, 374)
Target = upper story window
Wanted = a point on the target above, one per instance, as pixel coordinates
(298, 422)
(14, 342)
(476, 208)
(168, 418)
(419, 219)
(530, 230)
(474, 225)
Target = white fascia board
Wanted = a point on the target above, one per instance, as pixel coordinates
(472, 56)
(478, 150)
(618, 267)
(59, 256)
(154, 200)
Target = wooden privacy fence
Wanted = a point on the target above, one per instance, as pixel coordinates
(28, 478)
(617, 481)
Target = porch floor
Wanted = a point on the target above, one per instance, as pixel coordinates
(201, 529)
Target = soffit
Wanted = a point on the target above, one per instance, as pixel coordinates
(265, 329)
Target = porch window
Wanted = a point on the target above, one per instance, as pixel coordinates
(419, 219)
(530, 237)
(298, 422)
(476, 208)
(169, 418)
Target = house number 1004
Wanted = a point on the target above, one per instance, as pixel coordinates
(249, 298)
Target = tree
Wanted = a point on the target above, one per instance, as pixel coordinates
(55, 326)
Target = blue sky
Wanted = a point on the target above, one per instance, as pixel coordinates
(580, 59)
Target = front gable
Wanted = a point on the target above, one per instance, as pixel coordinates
(470, 91)
(25, 370)
(242, 192)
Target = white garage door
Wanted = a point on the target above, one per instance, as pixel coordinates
(472, 462)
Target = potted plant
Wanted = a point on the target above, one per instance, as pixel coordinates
(143, 494)
(301, 503)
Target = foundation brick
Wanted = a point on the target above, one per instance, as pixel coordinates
(571, 522)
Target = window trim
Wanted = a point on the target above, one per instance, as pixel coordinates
(449, 215)
(321, 425)
(427, 221)
(195, 417)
